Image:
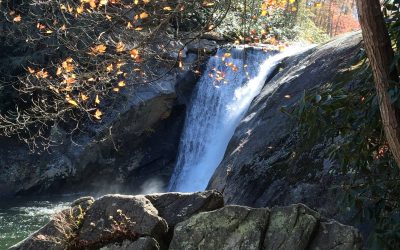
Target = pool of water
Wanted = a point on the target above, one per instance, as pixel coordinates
(20, 217)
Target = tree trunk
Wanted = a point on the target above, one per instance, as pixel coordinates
(380, 54)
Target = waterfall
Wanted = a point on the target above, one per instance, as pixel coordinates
(221, 99)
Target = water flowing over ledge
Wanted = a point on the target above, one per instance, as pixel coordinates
(222, 97)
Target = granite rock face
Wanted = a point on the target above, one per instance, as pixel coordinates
(187, 221)
(262, 165)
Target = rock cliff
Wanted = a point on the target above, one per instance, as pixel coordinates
(262, 165)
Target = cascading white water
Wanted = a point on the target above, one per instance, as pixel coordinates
(220, 100)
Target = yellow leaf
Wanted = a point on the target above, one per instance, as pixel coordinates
(103, 2)
(116, 89)
(98, 114)
(121, 84)
(71, 101)
(110, 68)
(84, 97)
(97, 101)
(70, 9)
(59, 71)
(80, 9)
(264, 13)
(167, 8)
(92, 4)
(139, 28)
(32, 71)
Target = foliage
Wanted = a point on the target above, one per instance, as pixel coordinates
(267, 21)
(72, 56)
(344, 114)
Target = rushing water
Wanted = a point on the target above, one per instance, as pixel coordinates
(20, 218)
(221, 98)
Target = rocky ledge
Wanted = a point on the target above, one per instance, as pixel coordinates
(187, 221)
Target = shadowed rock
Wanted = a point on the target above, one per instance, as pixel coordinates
(177, 207)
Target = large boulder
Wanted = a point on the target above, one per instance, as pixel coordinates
(294, 227)
(114, 214)
(231, 227)
(262, 165)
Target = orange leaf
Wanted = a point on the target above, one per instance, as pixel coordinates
(17, 19)
(144, 15)
(120, 47)
(99, 49)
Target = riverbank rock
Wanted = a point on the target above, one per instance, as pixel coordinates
(195, 221)
(262, 165)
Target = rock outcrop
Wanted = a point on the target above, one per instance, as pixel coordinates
(262, 165)
(197, 220)
(135, 145)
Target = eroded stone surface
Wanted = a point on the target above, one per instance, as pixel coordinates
(231, 227)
